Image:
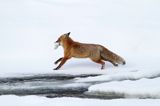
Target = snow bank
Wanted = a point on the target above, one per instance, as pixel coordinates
(41, 101)
(123, 74)
(144, 88)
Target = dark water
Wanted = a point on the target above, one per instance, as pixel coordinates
(50, 86)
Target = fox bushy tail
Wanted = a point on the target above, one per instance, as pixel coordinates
(110, 56)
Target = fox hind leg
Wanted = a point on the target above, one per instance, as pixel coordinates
(99, 62)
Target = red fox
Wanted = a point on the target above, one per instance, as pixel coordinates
(95, 52)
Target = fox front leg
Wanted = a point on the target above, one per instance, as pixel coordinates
(56, 62)
(62, 63)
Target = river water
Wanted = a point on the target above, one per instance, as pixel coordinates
(50, 85)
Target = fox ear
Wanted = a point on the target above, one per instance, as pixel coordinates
(68, 34)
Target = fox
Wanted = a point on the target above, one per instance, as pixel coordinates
(97, 53)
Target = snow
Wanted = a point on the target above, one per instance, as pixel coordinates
(41, 101)
(144, 88)
(29, 29)
(123, 74)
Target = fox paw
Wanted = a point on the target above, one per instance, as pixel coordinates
(102, 67)
(124, 63)
(55, 63)
(116, 65)
(55, 69)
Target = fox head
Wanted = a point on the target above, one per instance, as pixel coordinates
(60, 41)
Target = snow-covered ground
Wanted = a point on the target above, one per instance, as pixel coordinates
(144, 88)
(41, 101)
(29, 28)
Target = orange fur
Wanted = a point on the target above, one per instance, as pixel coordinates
(96, 53)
